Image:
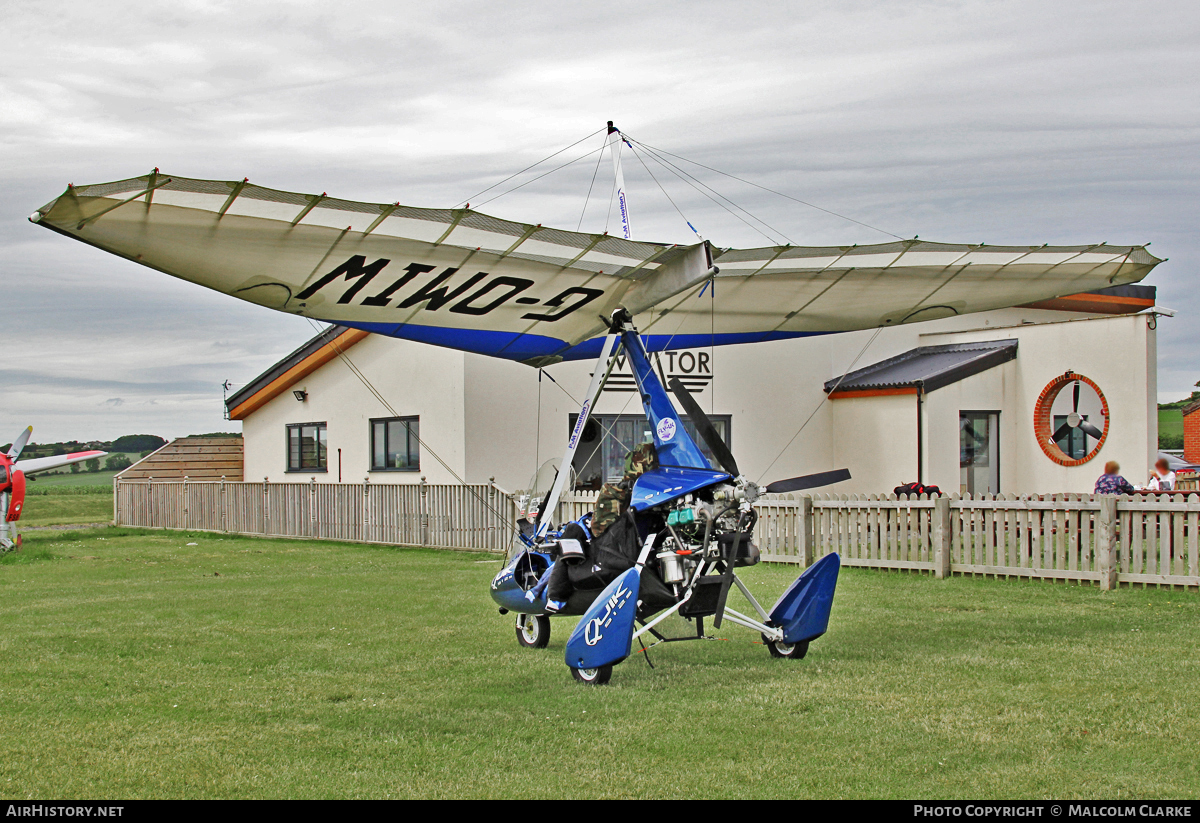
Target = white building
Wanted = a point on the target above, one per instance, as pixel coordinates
(967, 403)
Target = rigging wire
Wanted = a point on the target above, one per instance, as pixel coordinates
(700, 185)
(537, 443)
(540, 176)
(772, 191)
(527, 168)
(664, 191)
(822, 402)
(583, 213)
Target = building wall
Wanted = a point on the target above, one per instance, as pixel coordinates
(487, 418)
(876, 439)
(415, 379)
(992, 390)
(1116, 352)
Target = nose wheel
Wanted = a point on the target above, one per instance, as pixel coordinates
(593, 677)
(792, 651)
(533, 630)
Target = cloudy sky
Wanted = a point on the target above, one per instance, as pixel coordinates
(999, 122)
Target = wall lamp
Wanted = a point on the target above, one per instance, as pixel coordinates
(300, 394)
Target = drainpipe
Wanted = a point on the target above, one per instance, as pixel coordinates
(920, 432)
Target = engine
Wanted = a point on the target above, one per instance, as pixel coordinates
(705, 528)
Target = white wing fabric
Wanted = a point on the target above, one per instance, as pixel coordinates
(43, 464)
(458, 278)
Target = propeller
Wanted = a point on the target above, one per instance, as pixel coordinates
(720, 451)
(1075, 420)
(703, 425)
(14, 451)
(808, 481)
(725, 458)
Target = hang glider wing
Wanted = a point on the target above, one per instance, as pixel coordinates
(469, 281)
(57, 461)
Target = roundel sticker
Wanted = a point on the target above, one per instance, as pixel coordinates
(666, 429)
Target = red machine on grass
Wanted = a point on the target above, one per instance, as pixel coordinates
(12, 483)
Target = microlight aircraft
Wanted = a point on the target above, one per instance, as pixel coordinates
(12, 483)
(466, 280)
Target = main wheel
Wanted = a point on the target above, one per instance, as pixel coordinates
(792, 651)
(593, 677)
(533, 630)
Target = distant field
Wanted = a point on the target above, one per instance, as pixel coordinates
(1170, 421)
(81, 478)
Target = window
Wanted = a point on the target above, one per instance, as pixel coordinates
(979, 452)
(603, 461)
(395, 445)
(308, 444)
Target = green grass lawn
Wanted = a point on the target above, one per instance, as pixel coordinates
(56, 509)
(138, 666)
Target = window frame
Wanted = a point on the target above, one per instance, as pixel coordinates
(411, 418)
(287, 447)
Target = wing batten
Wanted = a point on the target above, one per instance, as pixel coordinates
(460, 278)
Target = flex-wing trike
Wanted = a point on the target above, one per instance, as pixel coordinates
(676, 549)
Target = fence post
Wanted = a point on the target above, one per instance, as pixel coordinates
(186, 520)
(1106, 542)
(424, 514)
(266, 507)
(116, 501)
(224, 508)
(312, 507)
(489, 517)
(805, 531)
(366, 519)
(941, 537)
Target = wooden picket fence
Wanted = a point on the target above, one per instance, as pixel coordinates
(478, 517)
(1105, 540)
(1151, 540)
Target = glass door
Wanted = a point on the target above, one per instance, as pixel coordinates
(979, 452)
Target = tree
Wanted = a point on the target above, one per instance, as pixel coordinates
(116, 462)
(93, 465)
(138, 443)
(74, 468)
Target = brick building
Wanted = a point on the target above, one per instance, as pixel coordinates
(1191, 432)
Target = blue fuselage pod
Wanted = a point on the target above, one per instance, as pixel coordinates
(604, 634)
(664, 484)
(672, 443)
(506, 589)
(803, 610)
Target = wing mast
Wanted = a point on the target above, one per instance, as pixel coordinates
(615, 139)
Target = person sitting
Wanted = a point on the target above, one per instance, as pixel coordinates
(1111, 482)
(602, 561)
(1162, 479)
